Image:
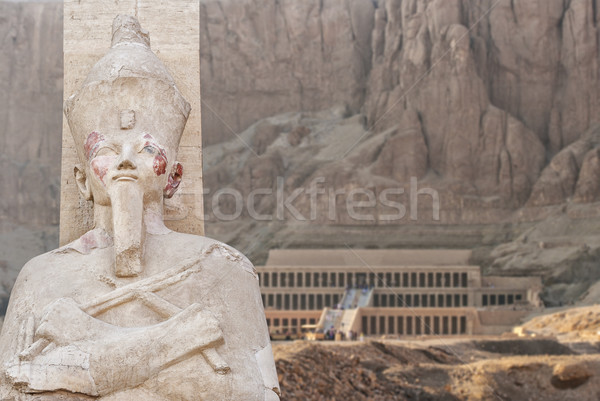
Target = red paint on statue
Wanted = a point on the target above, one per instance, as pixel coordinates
(100, 166)
(160, 160)
(160, 164)
(178, 170)
(174, 180)
(92, 143)
(88, 240)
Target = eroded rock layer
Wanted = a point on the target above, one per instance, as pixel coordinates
(31, 80)
(492, 103)
(480, 94)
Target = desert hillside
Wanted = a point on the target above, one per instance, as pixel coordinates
(493, 104)
(500, 369)
(556, 359)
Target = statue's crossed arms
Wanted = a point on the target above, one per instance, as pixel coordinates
(67, 339)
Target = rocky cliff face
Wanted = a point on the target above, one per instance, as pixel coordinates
(492, 103)
(260, 58)
(488, 92)
(30, 110)
(30, 132)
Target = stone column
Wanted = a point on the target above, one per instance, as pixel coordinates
(470, 324)
(174, 35)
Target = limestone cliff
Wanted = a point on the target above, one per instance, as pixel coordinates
(492, 103)
(31, 81)
(497, 87)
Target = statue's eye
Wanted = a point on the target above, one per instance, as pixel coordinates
(149, 149)
(106, 151)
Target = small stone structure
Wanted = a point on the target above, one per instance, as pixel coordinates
(395, 292)
(132, 310)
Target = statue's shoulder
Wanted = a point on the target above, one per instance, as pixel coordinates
(35, 264)
(215, 254)
(38, 268)
(64, 259)
(45, 261)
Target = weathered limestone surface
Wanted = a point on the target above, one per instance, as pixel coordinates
(132, 310)
(260, 58)
(31, 80)
(479, 95)
(491, 127)
(538, 60)
(570, 174)
(491, 106)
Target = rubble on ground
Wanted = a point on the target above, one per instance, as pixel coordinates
(437, 369)
(570, 324)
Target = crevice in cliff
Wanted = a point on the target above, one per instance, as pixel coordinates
(284, 19)
(490, 61)
(300, 91)
(349, 11)
(514, 14)
(463, 15)
(499, 169)
(321, 29)
(223, 15)
(426, 140)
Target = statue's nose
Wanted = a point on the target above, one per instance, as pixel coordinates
(126, 161)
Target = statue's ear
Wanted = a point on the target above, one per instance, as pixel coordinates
(82, 183)
(174, 180)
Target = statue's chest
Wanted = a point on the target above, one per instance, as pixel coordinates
(108, 298)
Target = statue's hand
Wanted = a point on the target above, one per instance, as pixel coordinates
(54, 361)
(63, 322)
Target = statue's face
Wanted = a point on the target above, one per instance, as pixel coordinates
(127, 157)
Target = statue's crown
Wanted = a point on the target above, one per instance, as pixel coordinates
(127, 29)
(131, 79)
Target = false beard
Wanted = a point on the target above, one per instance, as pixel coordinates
(127, 201)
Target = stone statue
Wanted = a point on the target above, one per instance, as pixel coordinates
(132, 310)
